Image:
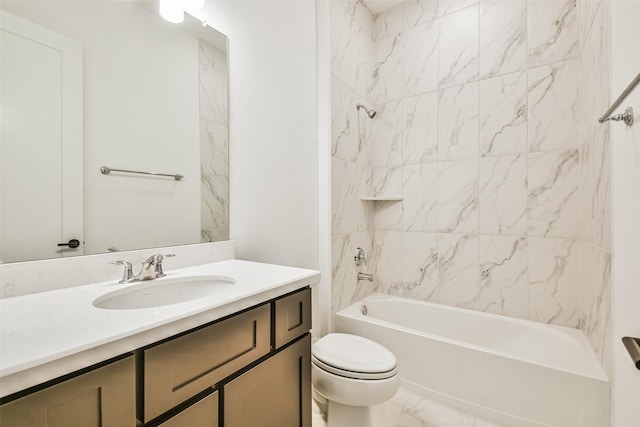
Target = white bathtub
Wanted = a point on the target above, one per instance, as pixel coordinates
(511, 371)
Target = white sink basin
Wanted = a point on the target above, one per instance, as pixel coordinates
(159, 292)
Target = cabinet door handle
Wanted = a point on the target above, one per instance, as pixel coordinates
(73, 243)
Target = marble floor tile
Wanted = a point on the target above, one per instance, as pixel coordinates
(407, 409)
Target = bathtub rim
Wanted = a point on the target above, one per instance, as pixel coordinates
(353, 311)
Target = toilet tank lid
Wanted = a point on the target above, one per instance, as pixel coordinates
(353, 353)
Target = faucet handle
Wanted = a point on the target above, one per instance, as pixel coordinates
(127, 276)
(359, 257)
(158, 264)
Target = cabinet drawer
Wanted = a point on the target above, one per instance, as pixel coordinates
(293, 316)
(203, 413)
(182, 367)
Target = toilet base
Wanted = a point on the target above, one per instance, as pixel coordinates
(350, 416)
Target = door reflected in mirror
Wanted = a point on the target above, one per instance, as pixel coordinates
(87, 84)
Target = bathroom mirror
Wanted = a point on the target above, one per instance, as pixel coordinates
(88, 84)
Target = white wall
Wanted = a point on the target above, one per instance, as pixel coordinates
(625, 147)
(272, 127)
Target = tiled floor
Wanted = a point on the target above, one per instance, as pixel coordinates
(407, 409)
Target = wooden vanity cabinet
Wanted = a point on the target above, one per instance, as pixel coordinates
(103, 397)
(254, 365)
(271, 386)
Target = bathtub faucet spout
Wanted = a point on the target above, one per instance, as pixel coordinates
(365, 276)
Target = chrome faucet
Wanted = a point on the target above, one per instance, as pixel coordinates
(127, 277)
(148, 268)
(158, 263)
(151, 269)
(365, 276)
(359, 257)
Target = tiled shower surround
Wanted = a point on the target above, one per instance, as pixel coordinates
(487, 126)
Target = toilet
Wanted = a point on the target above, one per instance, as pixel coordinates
(353, 374)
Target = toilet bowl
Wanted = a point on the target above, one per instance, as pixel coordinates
(353, 374)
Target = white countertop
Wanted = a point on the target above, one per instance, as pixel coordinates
(49, 334)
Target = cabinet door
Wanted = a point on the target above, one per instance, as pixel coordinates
(276, 393)
(203, 413)
(104, 397)
(293, 316)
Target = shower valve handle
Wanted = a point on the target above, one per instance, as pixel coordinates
(359, 257)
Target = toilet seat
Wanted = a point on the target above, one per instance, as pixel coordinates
(355, 357)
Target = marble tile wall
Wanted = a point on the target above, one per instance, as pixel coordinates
(497, 185)
(486, 126)
(351, 29)
(595, 185)
(214, 144)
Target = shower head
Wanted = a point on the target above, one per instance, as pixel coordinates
(371, 113)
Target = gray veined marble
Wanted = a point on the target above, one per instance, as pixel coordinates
(420, 59)
(349, 181)
(504, 275)
(214, 208)
(386, 245)
(503, 195)
(214, 143)
(389, 23)
(554, 281)
(386, 181)
(458, 122)
(596, 298)
(503, 115)
(553, 193)
(420, 272)
(458, 257)
(344, 271)
(387, 214)
(587, 11)
(503, 38)
(420, 129)
(595, 184)
(214, 83)
(601, 202)
(420, 208)
(417, 12)
(553, 112)
(350, 43)
(552, 31)
(449, 6)
(349, 128)
(385, 135)
(458, 196)
(214, 148)
(458, 47)
(485, 127)
(386, 75)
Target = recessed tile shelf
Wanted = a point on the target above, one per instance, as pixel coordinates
(381, 198)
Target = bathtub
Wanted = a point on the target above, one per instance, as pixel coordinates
(511, 371)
